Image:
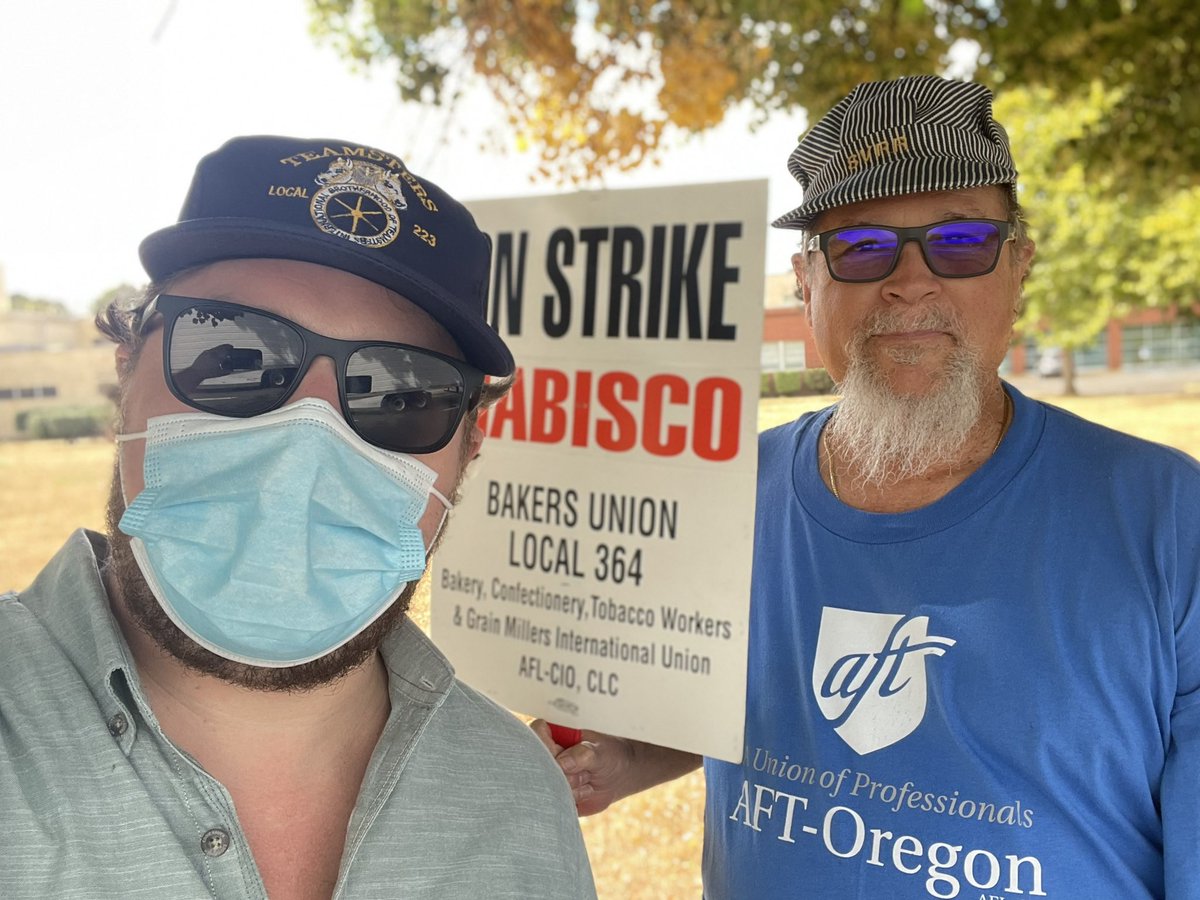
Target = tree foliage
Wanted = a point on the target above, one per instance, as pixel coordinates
(1085, 227)
(1144, 51)
(1102, 249)
(1167, 269)
(595, 85)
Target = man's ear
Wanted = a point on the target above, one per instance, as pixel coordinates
(800, 268)
(1025, 258)
(124, 361)
(474, 439)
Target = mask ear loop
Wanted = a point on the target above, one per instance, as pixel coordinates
(446, 507)
(121, 439)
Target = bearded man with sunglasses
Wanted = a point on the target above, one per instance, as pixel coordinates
(225, 698)
(974, 665)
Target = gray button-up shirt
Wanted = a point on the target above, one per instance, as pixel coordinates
(459, 799)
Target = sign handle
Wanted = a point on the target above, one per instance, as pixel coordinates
(565, 736)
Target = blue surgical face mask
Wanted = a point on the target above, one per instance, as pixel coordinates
(274, 540)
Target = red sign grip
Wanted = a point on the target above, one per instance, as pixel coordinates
(564, 736)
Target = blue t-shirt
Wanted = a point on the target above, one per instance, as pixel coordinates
(994, 696)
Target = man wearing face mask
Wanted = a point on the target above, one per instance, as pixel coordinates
(224, 697)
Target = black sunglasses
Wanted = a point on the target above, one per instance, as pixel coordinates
(958, 248)
(238, 361)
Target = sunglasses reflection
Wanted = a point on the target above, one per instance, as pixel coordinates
(216, 379)
(224, 360)
(231, 361)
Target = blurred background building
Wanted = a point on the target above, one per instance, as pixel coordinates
(50, 359)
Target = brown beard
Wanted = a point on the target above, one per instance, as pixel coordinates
(150, 618)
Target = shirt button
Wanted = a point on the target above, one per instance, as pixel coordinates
(118, 725)
(215, 842)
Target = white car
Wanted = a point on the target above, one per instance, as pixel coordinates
(1049, 364)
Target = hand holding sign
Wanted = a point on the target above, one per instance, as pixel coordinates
(602, 768)
(566, 737)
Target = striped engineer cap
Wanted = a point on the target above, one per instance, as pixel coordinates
(885, 138)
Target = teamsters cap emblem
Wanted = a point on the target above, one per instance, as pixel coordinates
(344, 205)
(887, 138)
(358, 201)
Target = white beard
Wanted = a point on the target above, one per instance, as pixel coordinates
(888, 437)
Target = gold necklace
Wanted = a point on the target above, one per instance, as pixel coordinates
(1004, 423)
(829, 462)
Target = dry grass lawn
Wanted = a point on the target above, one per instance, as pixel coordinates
(648, 846)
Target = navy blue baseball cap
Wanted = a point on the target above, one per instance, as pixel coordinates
(343, 205)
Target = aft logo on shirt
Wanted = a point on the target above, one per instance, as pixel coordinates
(869, 674)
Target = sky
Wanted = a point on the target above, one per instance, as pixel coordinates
(105, 108)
